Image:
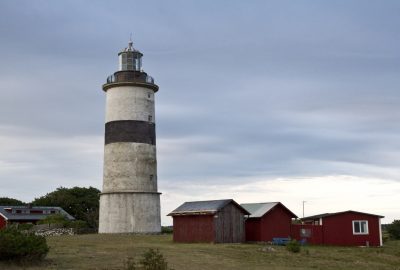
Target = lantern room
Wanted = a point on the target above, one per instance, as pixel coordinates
(130, 59)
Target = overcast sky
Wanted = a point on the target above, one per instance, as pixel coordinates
(259, 101)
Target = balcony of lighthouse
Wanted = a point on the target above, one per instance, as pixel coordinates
(129, 77)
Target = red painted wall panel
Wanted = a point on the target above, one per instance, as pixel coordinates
(253, 229)
(3, 222)
(276, 223)
(315, 237)
(338, 230)
(199, 228)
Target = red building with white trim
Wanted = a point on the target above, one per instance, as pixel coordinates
(348, 228)
(28, 214)
(267, 221)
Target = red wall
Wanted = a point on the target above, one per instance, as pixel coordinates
(199, 228)
(3, 222)
(338, 230)
(316, 236)
(252, 226)
(276, 223)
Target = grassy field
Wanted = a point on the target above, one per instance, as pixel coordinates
(95, 251)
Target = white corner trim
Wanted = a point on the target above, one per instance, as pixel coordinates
(3, 216)
(380, 233)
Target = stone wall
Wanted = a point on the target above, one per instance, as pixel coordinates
(52, 230)
(55, 232)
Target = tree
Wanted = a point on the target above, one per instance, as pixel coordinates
(394, 229)
(82, 203)
(10, 201)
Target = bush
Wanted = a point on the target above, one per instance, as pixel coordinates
(17, 246)
(293, 246)
(167, 229)
(25, 226)
(151, 260)
(77, 224)
(54, 219)
(394, 229)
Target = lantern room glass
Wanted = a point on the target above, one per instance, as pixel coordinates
(130, 61)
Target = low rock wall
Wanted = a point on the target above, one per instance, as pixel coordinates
(55, 231)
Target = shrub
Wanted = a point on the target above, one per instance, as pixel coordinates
(76, 224)
(17, 246)
(394, 229)
(151, 260)
(130, 264)
(293, 246)
(166, 229)
(25, 226)
(54, 219)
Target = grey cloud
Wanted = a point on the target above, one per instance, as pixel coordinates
(270, 88)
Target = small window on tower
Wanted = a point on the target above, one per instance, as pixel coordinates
(148, 95)
(151, 177)
(150, 118)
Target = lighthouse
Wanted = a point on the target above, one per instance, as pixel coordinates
(129, 201)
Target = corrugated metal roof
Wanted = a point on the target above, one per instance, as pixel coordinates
(203, 207)
(258, 210)
(338, 213)
(32, 216)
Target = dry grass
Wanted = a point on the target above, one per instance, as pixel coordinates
(110, 251)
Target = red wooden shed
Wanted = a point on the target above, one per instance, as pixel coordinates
(267, 221)
(218, 221)
(28, 214)
(348, 228)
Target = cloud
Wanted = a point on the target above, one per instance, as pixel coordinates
(330, 193)
(248, 93)
(34, 163)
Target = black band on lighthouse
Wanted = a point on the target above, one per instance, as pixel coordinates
(130, 131)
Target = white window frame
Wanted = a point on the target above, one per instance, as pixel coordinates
(360, 233)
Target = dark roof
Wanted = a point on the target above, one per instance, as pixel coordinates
(338, 213)
(258, 210)
(204, 207)
(31, 216)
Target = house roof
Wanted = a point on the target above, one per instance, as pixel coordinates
(258, 210)
(204, 207)
(338, 213)
(31, 216)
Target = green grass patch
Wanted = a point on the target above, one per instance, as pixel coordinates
(96, 251)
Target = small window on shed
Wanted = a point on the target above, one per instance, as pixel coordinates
(360, 226)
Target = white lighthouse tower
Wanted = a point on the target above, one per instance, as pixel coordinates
(130, 202)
